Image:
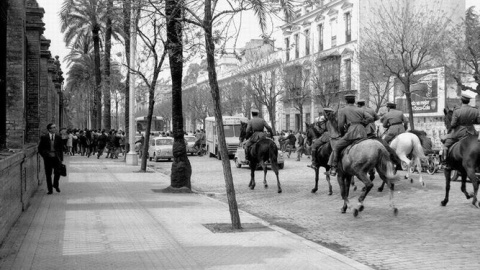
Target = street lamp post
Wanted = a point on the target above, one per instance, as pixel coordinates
(132, 158)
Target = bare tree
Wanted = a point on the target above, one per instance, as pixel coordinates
(465, 42)
(151, 32)
(405, 38)
(206, 19)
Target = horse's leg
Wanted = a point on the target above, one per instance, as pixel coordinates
(252, 175)
(447, 186)
(368, 186)
(316, 180)
(418, 162)
(463, 187)
(473, 177)
(343, 190)
(275, 170)
(264, 174)
(352, 183)
(408, 162)
(329, 184)
(392, 203)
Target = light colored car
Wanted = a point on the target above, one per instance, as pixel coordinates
(190, 144)
(160, 148)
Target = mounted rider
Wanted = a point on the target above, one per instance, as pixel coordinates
(254, 131)
(321, 127)
(461, 126)
(394, 121)
(351, 121)
(371, 128)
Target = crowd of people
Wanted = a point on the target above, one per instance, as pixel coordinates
(87, 142)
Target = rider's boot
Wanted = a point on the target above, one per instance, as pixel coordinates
(444, 159)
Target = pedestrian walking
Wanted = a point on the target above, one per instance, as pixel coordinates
(51, 150)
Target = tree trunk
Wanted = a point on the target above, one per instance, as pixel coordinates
(126, 29)
(408, 95)
(181, 167)
(107, 121)
(98, 79)
(212, 78)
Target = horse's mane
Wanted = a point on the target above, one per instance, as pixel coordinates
(420, 134)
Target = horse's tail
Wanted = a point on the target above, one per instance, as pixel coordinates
(418, 149)
(386, 167)
(273, 152)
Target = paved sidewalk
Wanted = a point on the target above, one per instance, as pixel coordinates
(108, 216)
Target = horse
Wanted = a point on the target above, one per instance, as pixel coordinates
(463, 156)
(322, 155)
(359, 160)
(260, 152)
(405, 144)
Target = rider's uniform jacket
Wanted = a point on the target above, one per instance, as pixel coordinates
(332, 131)
(395, 121)
(353, 118)
(256, 125)
(463, 120)
(371, 128)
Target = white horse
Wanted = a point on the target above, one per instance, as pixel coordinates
(405, 144)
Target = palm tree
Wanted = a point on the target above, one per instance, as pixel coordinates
(83, 19)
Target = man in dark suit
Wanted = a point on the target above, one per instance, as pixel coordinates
(51, 150)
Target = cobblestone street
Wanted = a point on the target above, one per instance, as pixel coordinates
(424, 235)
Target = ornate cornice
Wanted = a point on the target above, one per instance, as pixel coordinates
(346, 5)
(332, 12)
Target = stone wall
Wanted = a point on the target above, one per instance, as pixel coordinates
(20, 175)
(33, 95)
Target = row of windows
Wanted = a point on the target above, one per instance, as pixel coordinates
(320, 28)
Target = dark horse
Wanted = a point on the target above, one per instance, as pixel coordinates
(322, 154)
(260, 152)
(464, 157)
(360, 159)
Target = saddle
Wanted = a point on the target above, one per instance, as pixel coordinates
(347, 149)
(455, 145)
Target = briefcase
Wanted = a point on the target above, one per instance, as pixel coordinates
(62, 170)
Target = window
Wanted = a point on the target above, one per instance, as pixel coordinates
(330, 72)
(348, 74)
(320, 37)
(287, 121)
(297, 48)
(333, 26)
(348, 27)
(307, 42)
(287, 49)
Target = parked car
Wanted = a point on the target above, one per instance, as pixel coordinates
(190, 143)
(161, 148)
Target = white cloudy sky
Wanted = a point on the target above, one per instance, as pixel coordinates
(57, 47)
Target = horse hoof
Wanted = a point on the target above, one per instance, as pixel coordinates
(411, 180)
(343, 210)
(361, 208)
(279, 191)
(380, 189)
(330, 193)
(395, 211)
(355, 212)
(266, 186)
(252, 187)
(443, 203)
(314, 190)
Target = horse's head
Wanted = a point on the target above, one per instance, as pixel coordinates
(448, 117)
(313, 131)
(243, 131)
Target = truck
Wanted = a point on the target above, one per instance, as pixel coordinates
(231, 125)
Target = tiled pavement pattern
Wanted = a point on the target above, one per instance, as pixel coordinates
(108, 217)
(423, 236)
